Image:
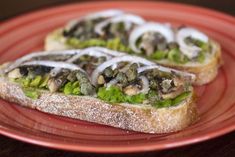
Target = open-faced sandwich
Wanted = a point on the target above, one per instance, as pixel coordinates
(102, 86)
(182, 48)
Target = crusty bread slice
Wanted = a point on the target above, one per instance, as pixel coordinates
(55, 41)
(126, 116)
(205, 72)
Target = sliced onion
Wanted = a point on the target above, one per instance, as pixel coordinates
(128, 20)
(112, 82)
(48, 63)
(107, 51)
(91, 51)
(95, 15)
(71, 24)
(114, 61)
(104, 13)
(39, 54)
(163, 29)
(190, 51)
(145, 85)
(192, 77)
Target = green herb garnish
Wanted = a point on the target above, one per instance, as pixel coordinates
(158, 55)
(36, 81)
(174, 55)
(135, 99)
(111, 94)
(181, 97)
(31, 93)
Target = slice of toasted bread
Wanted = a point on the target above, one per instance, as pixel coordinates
(55, 41)
(205, 72)
(126, 116)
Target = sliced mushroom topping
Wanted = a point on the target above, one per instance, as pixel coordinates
(55, 83)
(83, 28)
(23, 71)
(114, 62)
(153, 84)
(190, 50)
(162, 29)
(108, 72)
(173, 94)
(85, 56)
(166, 85)
(135, 77)
(39, 55)
(152, 41)
(126, 19)
(122, 78)
(188, 76)
(101, 80)
(86, 86)
(131, 90)
(132, 72)
(72, 76)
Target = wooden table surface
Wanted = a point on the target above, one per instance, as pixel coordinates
(223, 146)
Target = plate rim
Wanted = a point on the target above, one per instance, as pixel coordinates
(108, 149)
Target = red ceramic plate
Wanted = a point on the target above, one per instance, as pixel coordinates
(216, 101)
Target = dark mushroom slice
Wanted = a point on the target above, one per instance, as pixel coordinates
(151, 42)
(131, 90)
(89, 63)
(167, 82)
(37, 56)
(118, 67)
(55, 83)
(132, 72)
(83, 28)
(150, 37)
(86, 87)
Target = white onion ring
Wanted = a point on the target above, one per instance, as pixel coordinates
(190, 51)
(48, 63)
(112, 82)
(39, 54)
(163, 29)
(127, 58)
(106, 51)
(100, 14)
(191, 76)
(128, 19)
(91, 51)
(145, 85)
(104, 13)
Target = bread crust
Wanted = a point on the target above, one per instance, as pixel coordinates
(130, 117)
(205, 73)
(55, 41)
